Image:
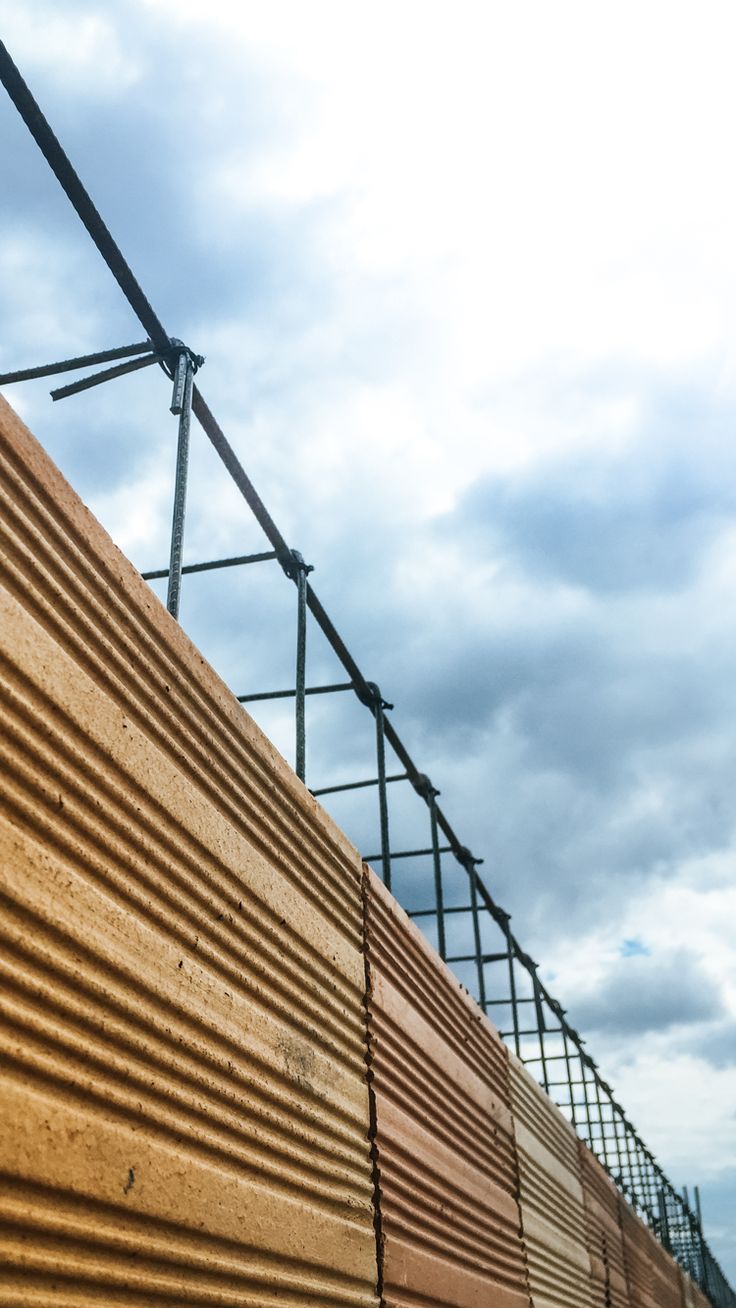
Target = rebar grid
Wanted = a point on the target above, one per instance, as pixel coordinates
(505, 981)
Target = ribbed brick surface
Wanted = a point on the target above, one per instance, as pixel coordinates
(692, 1296)
(551, 1198)
(184, 1110)
(603, 1233)
(448, 1170)
(666, 1278)
(688, 1291)
(638, 1260)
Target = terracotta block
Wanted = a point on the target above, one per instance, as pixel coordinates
(551, 1193)
(655, 1279)
(639, 1258)
(449, 1217)
(183, 1108)
(666, 1278)
(692, 1295)
(688, 1291)
(603, 1233)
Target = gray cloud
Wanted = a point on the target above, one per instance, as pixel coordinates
(545, 721)
(638, 995)
(718, 1044)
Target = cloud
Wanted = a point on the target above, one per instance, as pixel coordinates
(642, 521)
(718, 1043)
(470, 331)
(642, 994)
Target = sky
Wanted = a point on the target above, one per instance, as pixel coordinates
(464, 276)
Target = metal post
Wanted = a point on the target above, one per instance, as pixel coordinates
(301, 665)
(541, 1026)
(378, 707)
(472, 875)
(180, 484)
(698, 1212)
(568, 1070)
(438, 890)
(630, 1162)
(617, 1125)
(664, 1229)
(599, 1106)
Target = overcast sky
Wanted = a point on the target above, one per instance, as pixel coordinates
(465, 278)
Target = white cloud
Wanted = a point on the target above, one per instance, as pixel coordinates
(82, 51)
(468, 242)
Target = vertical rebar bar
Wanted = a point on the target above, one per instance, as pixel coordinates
(512, 989)
(301, 665)
(664, 1228)
(541, 1027)
(617, 1141)
(480, 969)
(570, 1078)
(438, 889)
(180, 494)
(378, 705)
(628, 1185)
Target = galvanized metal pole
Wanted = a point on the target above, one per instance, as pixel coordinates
(182, 401)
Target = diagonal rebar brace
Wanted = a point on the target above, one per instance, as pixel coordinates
(79, 197)
(108, 374)
(71, 365)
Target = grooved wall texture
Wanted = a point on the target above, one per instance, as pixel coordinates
(655, 1281)
(445, 1145)
(638, 1260)
(692, 1296)
(552, 1210)
(688, 1296)
(603, 1233)
(184, 1103)
(666, 1278)
(184, 1106)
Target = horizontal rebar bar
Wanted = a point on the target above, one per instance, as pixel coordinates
(70, 365)
(356, 785)
(411, 853)
(213, 564)
(108, 374)
(290, 694)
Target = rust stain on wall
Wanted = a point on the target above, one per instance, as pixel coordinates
(184, 1109)
(603, 1233)
(445, 1147)
(551, 1198)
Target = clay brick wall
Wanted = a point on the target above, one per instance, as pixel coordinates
(450, 1226)
(551, 1198)
(666, 1278)
(638, 1260)
(603, 1233)
(233, 1071)
(692, 1296)
(183, 1107)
